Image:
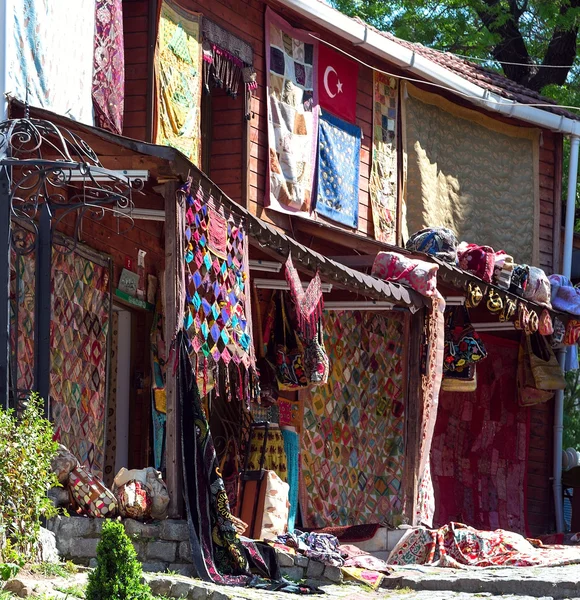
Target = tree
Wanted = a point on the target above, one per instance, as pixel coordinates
(530, 32)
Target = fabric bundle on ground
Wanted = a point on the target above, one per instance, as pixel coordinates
(458, 546)
(291, 56)
(338, 170)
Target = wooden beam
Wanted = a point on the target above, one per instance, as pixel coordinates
(173, 433)
(355, 260)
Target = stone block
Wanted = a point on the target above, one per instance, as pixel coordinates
(141, 549)
(63, 546)
(198, 592)
(185, 551)
(333, 574)
(301, 561)
(154, 567)
(75, 527)
(135, 529)
(165, 551)
(98, 525)
(160, 586)
(292, 573)
(219, 596)
(93, 563)
(84, 548)
(13, 586)
(187, 570)
(315, 569)
(180, 589)
(173, 531)
(284, 559)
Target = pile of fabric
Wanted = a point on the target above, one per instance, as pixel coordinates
(458, 546)
(137, 494)
(355, 564)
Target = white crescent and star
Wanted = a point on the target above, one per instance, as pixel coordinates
(328, 71)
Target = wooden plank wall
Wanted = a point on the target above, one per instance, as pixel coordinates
(246, 19)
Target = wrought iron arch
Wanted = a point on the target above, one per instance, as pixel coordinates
(48, 176)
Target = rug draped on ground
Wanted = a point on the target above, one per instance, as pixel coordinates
(459, 546)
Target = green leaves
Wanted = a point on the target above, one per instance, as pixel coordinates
(26, 451)
(118, 572)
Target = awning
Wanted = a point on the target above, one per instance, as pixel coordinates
(171, 164)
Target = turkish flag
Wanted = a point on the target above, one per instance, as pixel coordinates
(337, 83)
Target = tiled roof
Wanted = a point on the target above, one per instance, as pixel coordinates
(478, 75)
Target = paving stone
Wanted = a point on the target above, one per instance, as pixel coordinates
(165, 551)
(199, 592)
(315, 569)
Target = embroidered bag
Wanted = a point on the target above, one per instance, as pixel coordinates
(276, 507)
(538, 288)
(544, 364)
(90, 494)
(519, 281)
(289, 356)
(546, 327)
(460, 381)
(463, 346)
(316, 360)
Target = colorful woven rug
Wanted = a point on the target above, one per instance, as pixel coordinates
(81, 304)
(178, 61)
(292, 115)
(480, 447)
(338, 170)
(383, 183)
(353, 435)
(458, 546)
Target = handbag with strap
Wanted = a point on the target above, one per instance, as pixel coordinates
(544, 364)
(528, 393)
(288, 352)
(460, 381)
(463, 346)
(316, 360)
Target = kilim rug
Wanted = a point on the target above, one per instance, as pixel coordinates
(353, 435)
(480, 447)
(79, 336)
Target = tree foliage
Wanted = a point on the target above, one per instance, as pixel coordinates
(531, 32)
(26, 452)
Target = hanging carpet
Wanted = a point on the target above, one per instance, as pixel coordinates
(480, 447)
(353, 435)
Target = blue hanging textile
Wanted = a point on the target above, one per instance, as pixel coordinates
(338, 170)
(291, 447)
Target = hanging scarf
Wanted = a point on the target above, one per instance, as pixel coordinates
(308, 303)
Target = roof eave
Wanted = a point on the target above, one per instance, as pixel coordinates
(359, 34)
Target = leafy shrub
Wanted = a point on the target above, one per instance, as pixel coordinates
(118, 572)
(26, 451)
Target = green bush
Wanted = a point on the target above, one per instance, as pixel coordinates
(118, 572)
(26, 451)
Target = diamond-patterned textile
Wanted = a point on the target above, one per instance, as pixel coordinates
(79, 334)
(79, 337)
(353, 431)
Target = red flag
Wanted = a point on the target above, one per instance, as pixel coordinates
(337, 83)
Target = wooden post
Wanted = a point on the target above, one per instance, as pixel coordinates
(173, 430)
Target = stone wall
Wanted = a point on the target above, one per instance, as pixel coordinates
(161, 546)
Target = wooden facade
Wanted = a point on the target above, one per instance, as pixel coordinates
(237, 163)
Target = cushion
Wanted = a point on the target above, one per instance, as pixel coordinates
(418, 274)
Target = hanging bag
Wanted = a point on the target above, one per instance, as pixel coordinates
(316, 360)
(544, 364)
(463, 346)
(528, 394)
(288, 353)
(460, 381)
